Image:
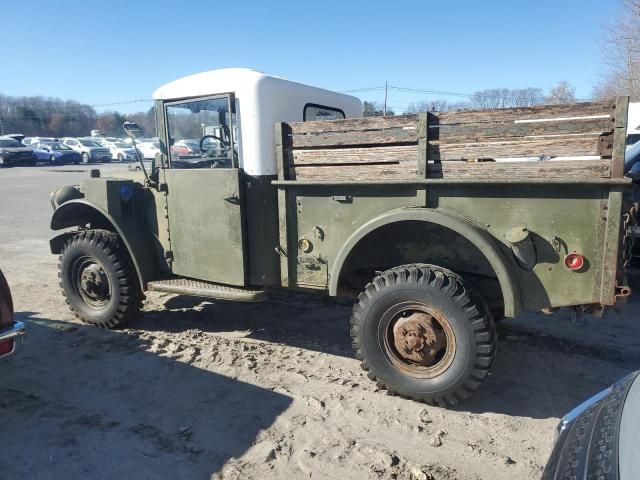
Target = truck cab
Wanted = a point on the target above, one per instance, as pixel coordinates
(220, 202)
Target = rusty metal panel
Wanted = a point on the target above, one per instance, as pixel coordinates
(205, 223)
(612, 239)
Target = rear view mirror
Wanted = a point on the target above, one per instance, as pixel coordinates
(132, 129)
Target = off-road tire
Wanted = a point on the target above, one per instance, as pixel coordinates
(125, 298)
(464, 310)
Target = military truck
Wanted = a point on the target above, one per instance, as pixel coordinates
(408, 215)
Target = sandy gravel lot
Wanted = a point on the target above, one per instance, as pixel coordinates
(199, 390)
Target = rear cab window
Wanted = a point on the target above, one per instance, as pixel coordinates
(313, 112)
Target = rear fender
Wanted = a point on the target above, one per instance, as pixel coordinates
(479, 237)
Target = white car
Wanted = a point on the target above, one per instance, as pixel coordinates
(121, 151)
(149, 149)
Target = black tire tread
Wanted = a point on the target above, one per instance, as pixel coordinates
(130, 296)
(469, 301)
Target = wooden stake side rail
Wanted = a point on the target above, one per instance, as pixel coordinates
(468, 144)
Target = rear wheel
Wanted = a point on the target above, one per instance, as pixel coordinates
(97, 279)
(120, 157)
(423, 333)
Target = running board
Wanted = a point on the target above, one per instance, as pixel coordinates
(198, 288)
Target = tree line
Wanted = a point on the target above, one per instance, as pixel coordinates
(488, 99)
(52, 117)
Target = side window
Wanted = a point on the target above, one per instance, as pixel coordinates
(314, 112)
(201, 133)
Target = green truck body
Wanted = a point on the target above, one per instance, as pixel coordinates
(505, 204)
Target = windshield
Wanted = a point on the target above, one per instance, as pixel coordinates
(205, 121)
(10, 143)
(89, 143)
(633, 138)
(121, 145)
(631, 157)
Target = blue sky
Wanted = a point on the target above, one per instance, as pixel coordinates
(103, 52)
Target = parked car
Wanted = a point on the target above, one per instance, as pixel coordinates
(89, 149)
(149, 149)
(16, 136)
(29, 141)
(186, 148)
(9, 329)
(106, 141)
(121, 151)
(599, 438)
(56, 153)
(12, 152)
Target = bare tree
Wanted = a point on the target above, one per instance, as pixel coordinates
(375, 109)
(493, 98)
(621, 54)
(563, 92)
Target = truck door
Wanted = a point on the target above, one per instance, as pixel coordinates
(204, 198)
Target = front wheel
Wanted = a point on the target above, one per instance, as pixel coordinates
(53, 160)
(423, 333)
(85, 157)
(98, 280)
(120, 157)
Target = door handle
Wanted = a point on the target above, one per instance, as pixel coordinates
(233, 199)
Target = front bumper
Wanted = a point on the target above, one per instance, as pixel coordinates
(12, 160)
(9, 335)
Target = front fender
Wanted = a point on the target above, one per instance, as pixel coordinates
(479, 237)
(137, 240)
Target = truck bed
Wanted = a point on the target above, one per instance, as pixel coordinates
(557, 170)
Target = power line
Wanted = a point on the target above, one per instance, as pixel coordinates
(440, 92)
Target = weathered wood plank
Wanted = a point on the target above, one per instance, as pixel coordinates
(546, 169)
(389, 154)
(355, 124)
(409, 169)
(406, 169)
(466, 132)
(582, 109)
(620, 136)
(562, 146)
(343, 139)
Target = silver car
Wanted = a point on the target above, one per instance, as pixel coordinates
(90, 150)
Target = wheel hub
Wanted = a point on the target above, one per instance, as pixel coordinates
(94, 282)
(417, 339)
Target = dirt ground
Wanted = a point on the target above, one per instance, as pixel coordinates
(198, 389)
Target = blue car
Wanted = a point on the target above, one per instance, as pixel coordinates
(55, 153)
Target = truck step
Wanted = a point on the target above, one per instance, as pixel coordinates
(198, 288)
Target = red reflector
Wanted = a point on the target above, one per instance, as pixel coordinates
(574, 261)
(6, 347)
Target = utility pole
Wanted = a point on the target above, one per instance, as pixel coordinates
(385, 97)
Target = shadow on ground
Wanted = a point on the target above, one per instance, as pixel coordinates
(80, 402)
(533, 376)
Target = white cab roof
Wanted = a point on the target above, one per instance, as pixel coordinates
(261, 101)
